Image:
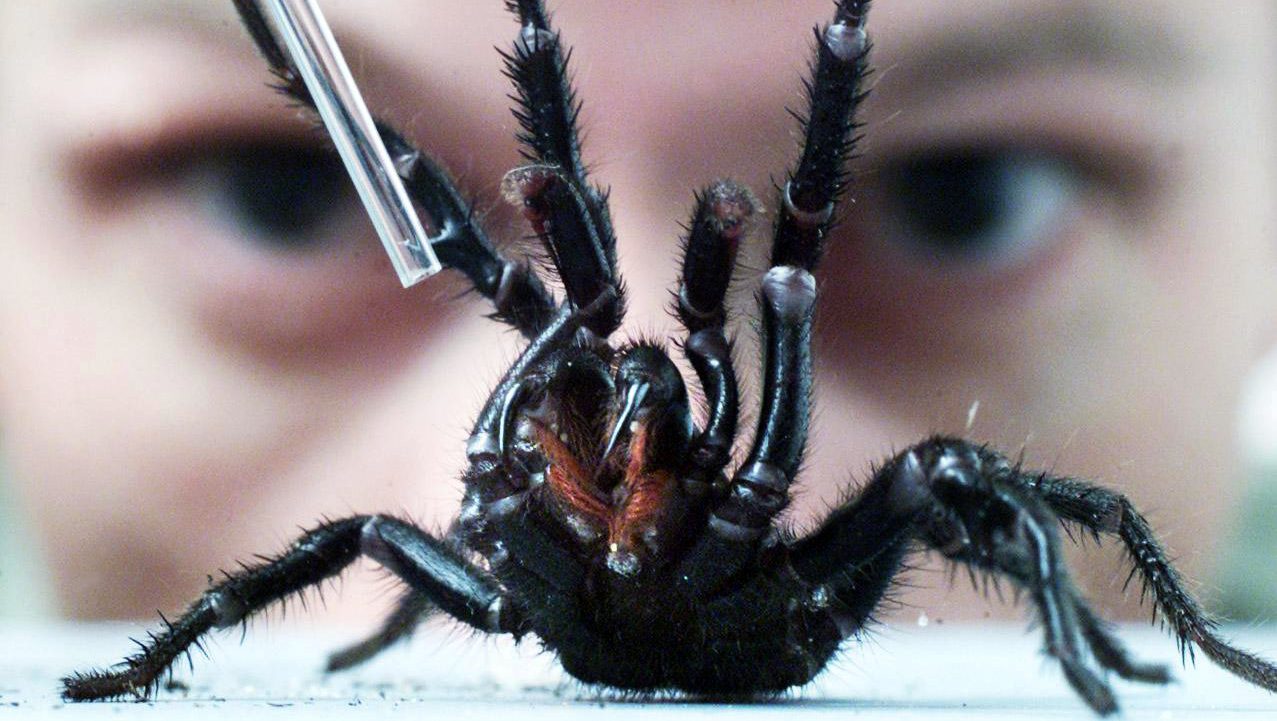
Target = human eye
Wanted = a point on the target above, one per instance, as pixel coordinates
(247, 221)
(251, 186)
(221, 168)
(229, 209)
(276, 195)
(978, 208)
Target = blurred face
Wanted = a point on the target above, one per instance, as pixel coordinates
(1060, 240)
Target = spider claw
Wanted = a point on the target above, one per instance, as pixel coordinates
(505, 427)
(634, 396)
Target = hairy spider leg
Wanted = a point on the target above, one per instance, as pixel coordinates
(976, 508)
(957, 499)
(567, 212)
(1109, 651)
(759, 488)
(520, 298)
(1102, 511)
(430, 566)
(809, 198)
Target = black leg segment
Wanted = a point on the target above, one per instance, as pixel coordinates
(760, 488)
(557, 208)
(810, 196)
(519, 297)
(711, 450)
(723, 217)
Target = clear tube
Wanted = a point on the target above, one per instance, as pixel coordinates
(305, 33)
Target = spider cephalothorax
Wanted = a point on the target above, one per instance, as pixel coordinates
(599, 514)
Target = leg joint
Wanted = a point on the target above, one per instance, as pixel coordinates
(790, 292)
(227, 607)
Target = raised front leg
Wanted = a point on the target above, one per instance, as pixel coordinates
(759, 489)
(723, 217)
(568, 213)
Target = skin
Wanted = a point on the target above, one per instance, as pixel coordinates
(177, 393)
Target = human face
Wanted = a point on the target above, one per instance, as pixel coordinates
(186, 376)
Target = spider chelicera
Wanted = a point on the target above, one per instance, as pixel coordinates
(599, 516)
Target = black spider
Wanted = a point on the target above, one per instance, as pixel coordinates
(600, 517)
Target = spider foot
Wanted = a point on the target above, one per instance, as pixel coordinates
(108, 685)
(137, 677)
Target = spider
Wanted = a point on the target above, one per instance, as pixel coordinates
(599, 516)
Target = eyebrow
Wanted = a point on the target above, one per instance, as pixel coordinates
(1078, 34)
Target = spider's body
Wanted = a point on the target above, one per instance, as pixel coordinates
(603, 541)
(603, 517)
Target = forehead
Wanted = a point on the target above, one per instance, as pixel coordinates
(923, 46)
(1143, 23)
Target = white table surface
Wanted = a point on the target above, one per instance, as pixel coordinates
(902, 672)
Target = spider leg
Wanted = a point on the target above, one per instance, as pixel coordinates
(1110, 652)
(460, 243)
(408, 613)
(429, 566)
(957, 499)
(410, 610)
(1103, 511)
(722, 218)
(1032, 559)
(857, 551)
(568, 213)
(976, 508)
(809, 198)
(760, 487)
